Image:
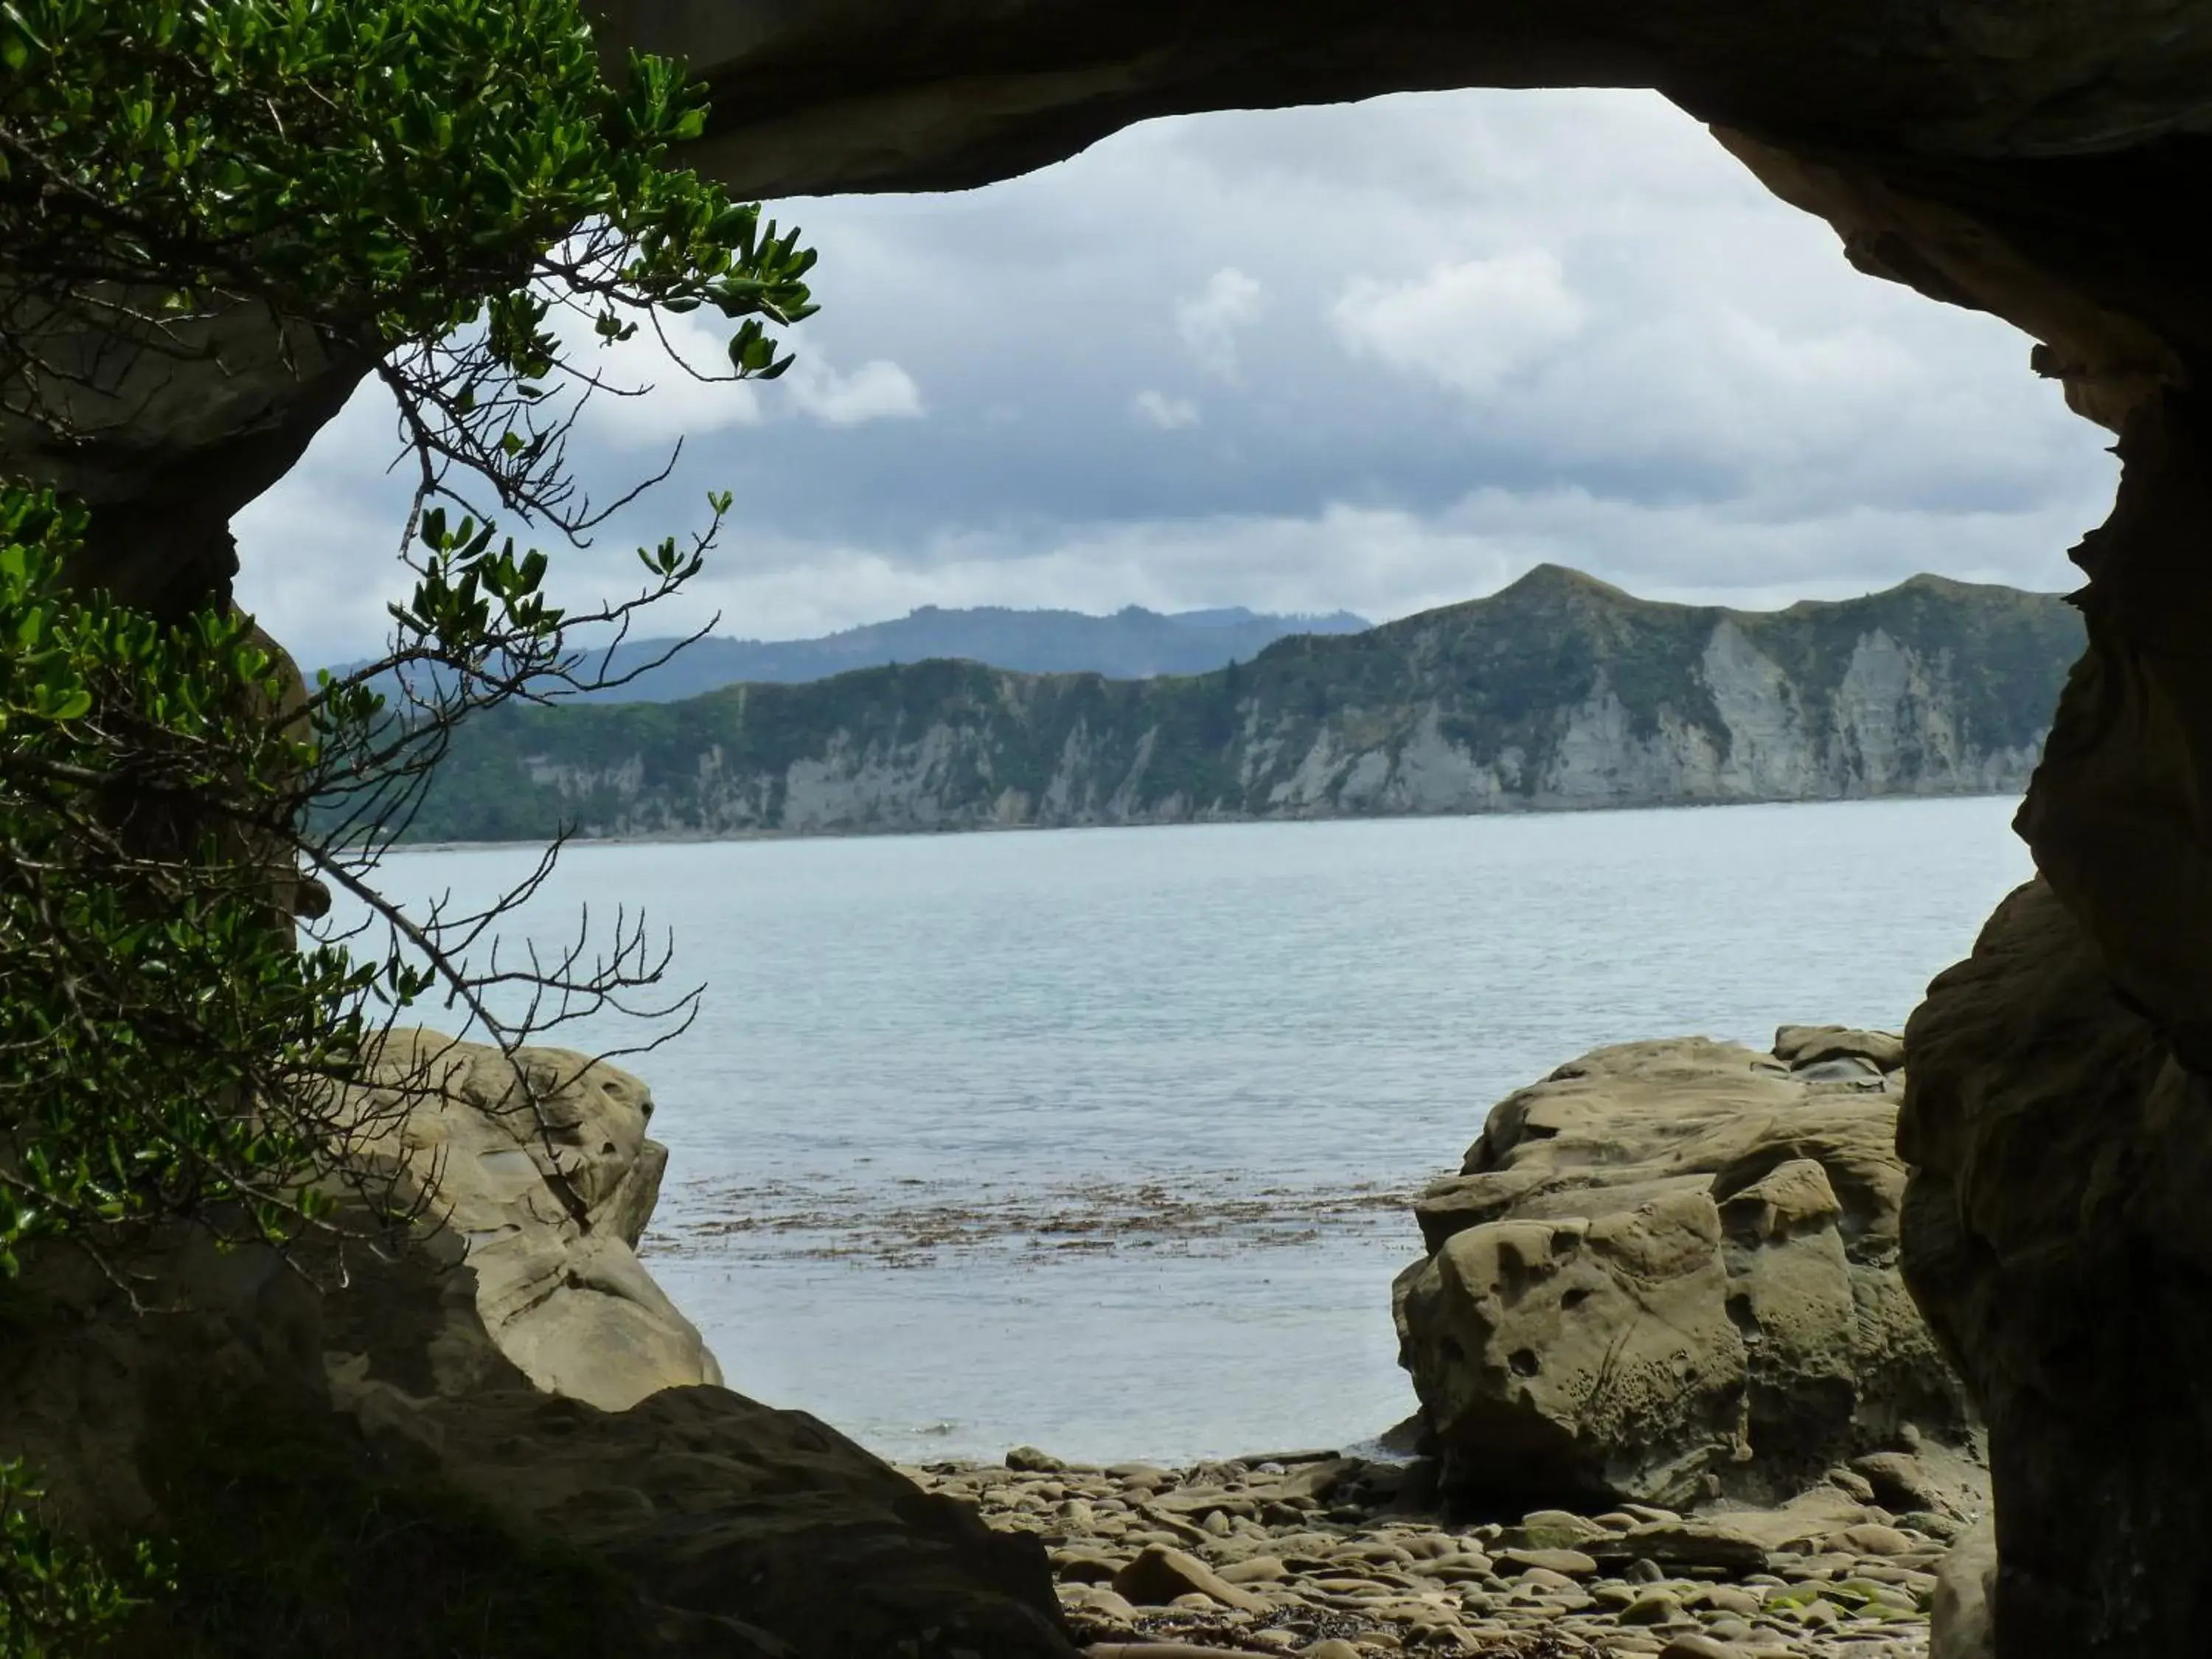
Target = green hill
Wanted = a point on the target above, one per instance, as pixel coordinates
(1559, 691)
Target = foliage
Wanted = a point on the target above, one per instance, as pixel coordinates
(159, 1037)
(58, 1599)
(448, 193)
(451, 196)
(421, 187)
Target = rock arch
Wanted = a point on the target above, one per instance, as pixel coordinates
(2046, 161)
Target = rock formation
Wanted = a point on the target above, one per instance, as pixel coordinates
(2042, 162)
(167, 440)
(2058, 1236)
(1966, 1584)
(516, 1383)
(1668, 1274)
(542, 1167)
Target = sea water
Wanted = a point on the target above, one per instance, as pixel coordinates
(1103, 1140)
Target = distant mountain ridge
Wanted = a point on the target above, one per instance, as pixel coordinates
(1559, 691)
(1132, 644)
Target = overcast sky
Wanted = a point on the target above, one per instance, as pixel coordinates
(1381, 356)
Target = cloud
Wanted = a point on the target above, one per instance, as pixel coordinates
(1440, 337)
(1168, 414)
(662, 384)
(675, 382)
(1383, 562)
(1467, 327)
(1209, 320)
(879, 390)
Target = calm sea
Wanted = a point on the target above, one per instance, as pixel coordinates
(1101, 1140)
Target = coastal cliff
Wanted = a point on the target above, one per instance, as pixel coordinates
(1558, 692)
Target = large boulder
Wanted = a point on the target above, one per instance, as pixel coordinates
(1668, 1274)
(540, 1167)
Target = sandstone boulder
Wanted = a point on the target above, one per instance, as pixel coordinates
(1668, 1274)
(1802, 1046)
(542, 1169)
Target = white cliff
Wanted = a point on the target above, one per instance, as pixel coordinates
(1559, 693)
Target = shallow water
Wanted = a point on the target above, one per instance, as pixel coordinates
(1100, 1139)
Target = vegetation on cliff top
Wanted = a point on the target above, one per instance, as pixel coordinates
(1502, 677)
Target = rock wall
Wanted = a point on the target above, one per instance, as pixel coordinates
(2057, 1234)
(2040, 163)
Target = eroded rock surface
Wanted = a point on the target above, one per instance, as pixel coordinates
(1668, 1272)
(1965, 1590)
(166, 441)
(2057, 1232)
(756, 1533)
(451, 1383)
(542, 1169)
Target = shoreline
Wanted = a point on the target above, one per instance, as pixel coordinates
(1332, 1554)
(701, 837)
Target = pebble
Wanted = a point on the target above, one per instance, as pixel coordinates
(1544, 1577)
(1876, 1541)
(1742, 1603)
(1082, 1567)
(1573, 1564)
(1108, 1605)
(1255, 1569)
(1654, 1606)
(1159, 1576)
(1557, 1530)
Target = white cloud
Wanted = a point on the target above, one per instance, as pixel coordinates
(1380, 562)
(878, 390)
(1697, 396)
(680, 387)
(1168, 414)
(1208, 321)
(1467, 327)
(662, 385)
